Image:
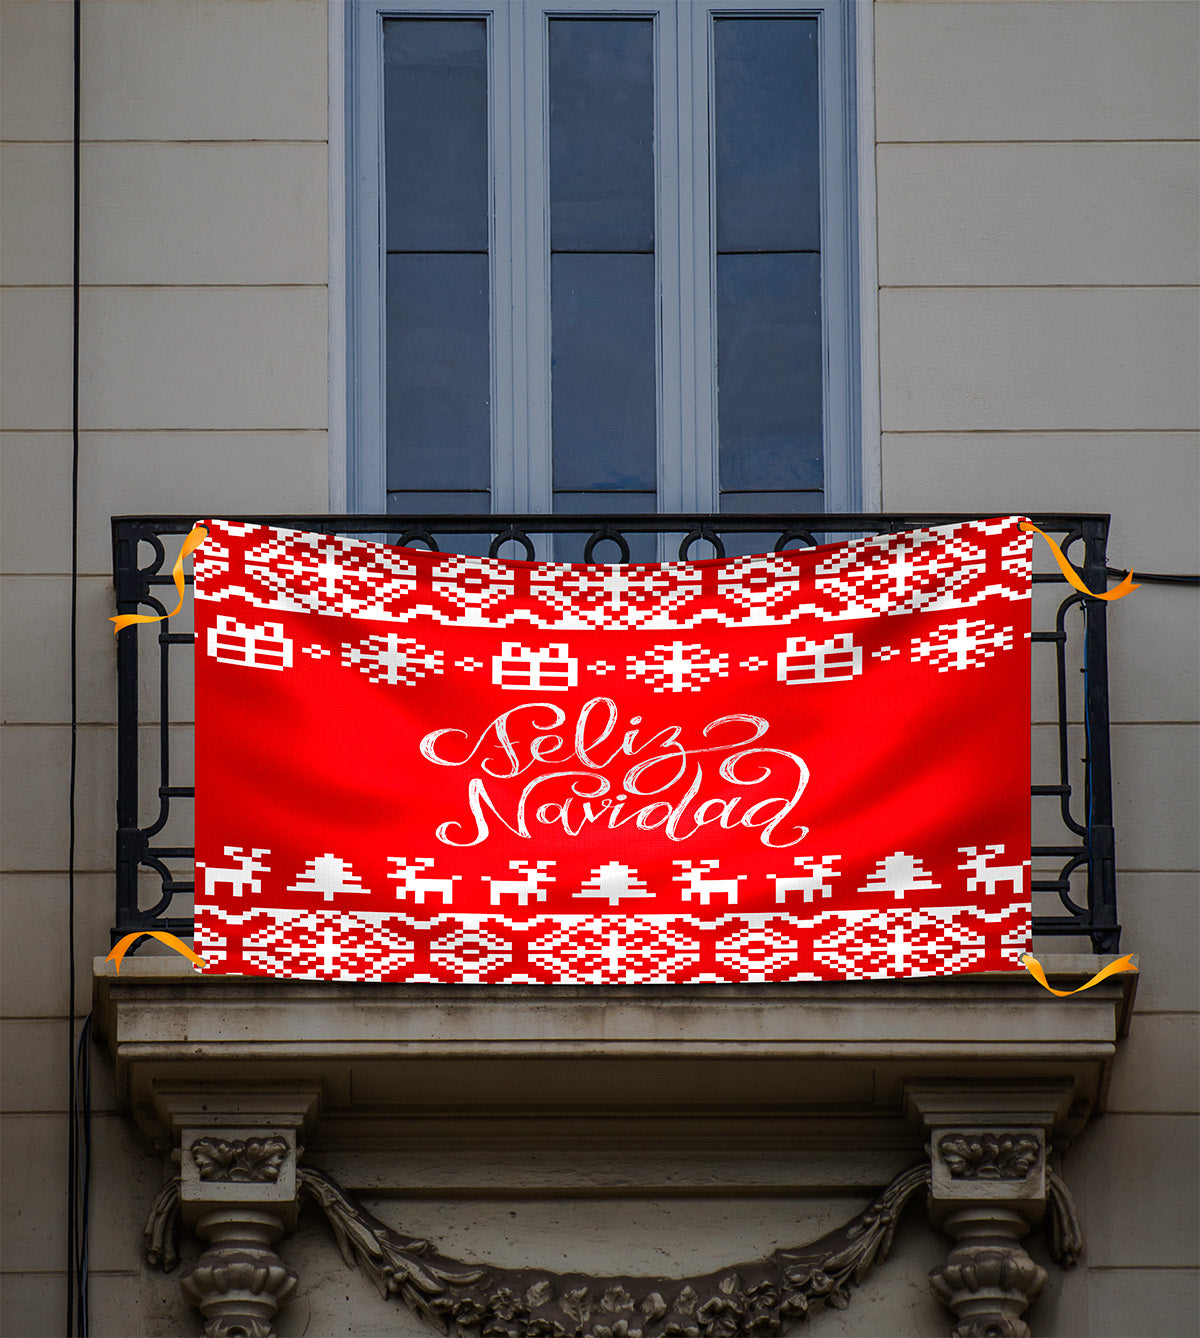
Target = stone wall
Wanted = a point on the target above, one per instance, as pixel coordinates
(1037, 182)
(1037, 260)
(203, 387)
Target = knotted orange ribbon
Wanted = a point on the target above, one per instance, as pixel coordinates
(190, 544)
(1073, 576)
(170, 940)
(1034, 967)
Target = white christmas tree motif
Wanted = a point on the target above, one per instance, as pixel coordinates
(328, 875)
(965, 644)
(699, 885)
(524, 888)
(412, 882)
(677, 667)
(392, 659)
(614, 882)
(899, 873)
(238, 880)
(987, 877)
(812, 879)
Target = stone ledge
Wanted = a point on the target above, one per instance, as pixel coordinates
(811, 1053)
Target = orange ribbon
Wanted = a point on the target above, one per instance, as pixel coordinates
(190, 544)
(1073, 576)
(170, 940)
(1034, 967)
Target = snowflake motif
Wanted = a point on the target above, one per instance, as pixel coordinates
(965, 644)
(317, 652)
(392, 659)
(468, 664)
(677, 667)
(755, 663)
(472, 585)
(885, 653)
(324, 573)
(759, 584)
(209, 564)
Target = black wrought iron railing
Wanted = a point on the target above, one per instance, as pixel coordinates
(1074, 877)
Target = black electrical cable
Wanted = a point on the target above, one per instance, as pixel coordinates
(1155, 577)
(78, 1135)
(81, 1126)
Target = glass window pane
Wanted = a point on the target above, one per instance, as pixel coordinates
(603, 372)
(602, 134)
(767, 91)
(766, 503)
(569, 547)
(425, 507)
(438, 503)
(769, 371)
(436, 134)
(438, 374)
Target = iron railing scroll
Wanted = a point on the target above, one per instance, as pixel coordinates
(1074, 871)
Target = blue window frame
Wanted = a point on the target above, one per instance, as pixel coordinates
(603, 257)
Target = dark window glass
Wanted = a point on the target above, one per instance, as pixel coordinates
(755, 503)
(603, 372)
(438, 376)
(437, 281)
(769, 361)
(569, 547)
(767, 210)
(436, 134)
(765, 134)
(601, 135)
(602, 269)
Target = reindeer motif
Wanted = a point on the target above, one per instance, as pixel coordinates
(810, 880)
(525, 888)
(239, 880)
(988, 877)
(411, 883)
(693, 874)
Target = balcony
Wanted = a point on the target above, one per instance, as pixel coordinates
(598, 1092)
(1074, 883)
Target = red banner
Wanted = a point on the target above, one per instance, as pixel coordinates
(418, 766)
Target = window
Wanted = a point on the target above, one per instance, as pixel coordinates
(602, 258)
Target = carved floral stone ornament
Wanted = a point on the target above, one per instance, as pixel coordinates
(989, 1156)
(762, 1297)
(242, 1160)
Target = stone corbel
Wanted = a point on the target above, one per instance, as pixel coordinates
(990, 1185)
(237, 1189)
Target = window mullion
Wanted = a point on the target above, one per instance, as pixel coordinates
(687, 453)
(530, 249)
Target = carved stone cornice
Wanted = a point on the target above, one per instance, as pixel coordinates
(990, 1155)
(494, 1046)
(762, 1297)
(240, 1160)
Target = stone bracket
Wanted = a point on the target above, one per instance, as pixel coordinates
(989, 1185)
(238, 1189)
